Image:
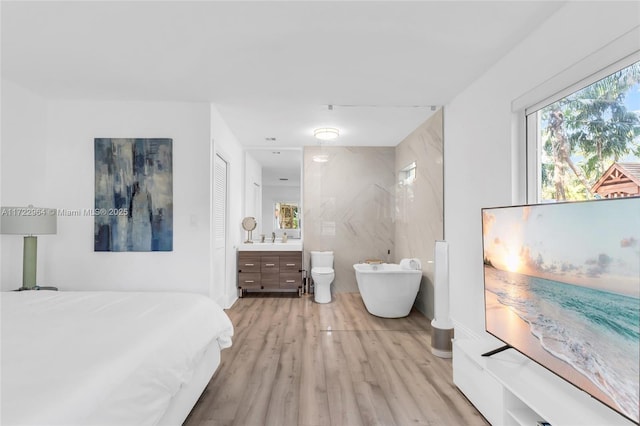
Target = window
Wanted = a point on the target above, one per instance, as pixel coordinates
(286, 216)
(408, 174)
(586, 144)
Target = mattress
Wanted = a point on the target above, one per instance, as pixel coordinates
(101, 358)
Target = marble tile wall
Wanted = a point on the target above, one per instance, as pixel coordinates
(419, 204)
(349, 204)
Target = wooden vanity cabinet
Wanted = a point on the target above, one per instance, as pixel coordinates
(269, 271)
(291, 271)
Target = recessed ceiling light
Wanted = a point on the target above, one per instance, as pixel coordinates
(326, 133)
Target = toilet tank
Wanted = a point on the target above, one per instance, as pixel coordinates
(322, 259)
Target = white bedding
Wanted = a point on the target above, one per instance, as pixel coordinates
(101, 358)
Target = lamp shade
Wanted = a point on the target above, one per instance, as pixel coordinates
(28, 220)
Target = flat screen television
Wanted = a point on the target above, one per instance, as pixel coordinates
(562, 286)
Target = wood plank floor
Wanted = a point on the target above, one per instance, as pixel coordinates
(296, 362)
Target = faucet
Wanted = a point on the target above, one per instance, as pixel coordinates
(273, 237)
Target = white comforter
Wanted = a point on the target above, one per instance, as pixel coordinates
(101, 358)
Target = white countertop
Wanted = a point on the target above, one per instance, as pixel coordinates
(291, 245)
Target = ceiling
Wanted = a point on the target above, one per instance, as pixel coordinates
(271, 68)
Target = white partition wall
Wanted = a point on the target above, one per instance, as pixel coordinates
(484, 167)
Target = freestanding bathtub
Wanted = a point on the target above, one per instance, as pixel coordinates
(387, 289)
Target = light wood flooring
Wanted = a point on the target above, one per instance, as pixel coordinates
(296, 362)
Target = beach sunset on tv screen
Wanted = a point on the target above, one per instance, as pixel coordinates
(562, 286)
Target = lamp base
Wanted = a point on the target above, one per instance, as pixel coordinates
(37, 287)
(29, 261)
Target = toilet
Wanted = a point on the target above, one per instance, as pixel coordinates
(323, 274)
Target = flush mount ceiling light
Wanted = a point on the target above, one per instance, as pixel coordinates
(326, 133)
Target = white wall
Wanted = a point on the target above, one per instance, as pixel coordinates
(23, 172)
(71, 126)
(23, 137)
(483, 135)
(48, 160)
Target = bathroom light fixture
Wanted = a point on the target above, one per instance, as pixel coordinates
(326, 133)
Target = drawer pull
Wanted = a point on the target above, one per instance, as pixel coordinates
(291, 264)
(248, 264)
(269, 264)
(291, 281)
(249, 281)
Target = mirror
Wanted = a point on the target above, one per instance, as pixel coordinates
(273, 190)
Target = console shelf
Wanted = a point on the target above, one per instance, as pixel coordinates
(510, 389)
(523, 415)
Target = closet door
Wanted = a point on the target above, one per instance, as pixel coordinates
(220, 191)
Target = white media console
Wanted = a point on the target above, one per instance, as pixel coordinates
(510, 389)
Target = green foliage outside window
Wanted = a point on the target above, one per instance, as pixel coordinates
(583, 134)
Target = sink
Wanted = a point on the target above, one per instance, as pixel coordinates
(291, 245)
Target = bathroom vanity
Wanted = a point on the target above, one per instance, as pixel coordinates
(269, 267)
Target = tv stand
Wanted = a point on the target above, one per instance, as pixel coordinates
(497, 350)
(510, 389)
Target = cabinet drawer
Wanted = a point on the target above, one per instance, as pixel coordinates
(248, 264)
(290, 264)
(270, 280)
(270, 264)
(290, 280)
(249, 280)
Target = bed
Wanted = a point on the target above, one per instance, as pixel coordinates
(107, 358)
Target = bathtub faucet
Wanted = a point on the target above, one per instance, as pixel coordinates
(273, 237)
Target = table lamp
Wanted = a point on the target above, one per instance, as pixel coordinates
(28, 221)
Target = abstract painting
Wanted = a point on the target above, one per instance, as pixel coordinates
(133, 194)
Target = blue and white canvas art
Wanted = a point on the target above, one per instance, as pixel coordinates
(133, 194)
